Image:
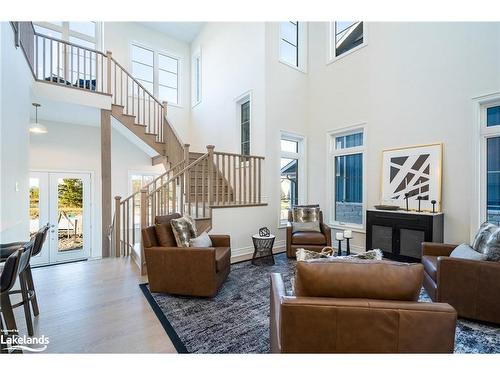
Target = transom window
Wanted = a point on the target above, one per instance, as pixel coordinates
(245, 128)
(85, 34)
(289, 42)
(157, 72)
(348, 150)
(345, 36)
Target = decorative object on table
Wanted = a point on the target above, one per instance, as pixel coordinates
(419, 199)
(339, 236)
(406, 200)
(264, 232)
(387, 207)
(306, 219)
(415, 171)
(263, 247)
(347, 236)
(304, 254)
(400, 234)
(433, 202)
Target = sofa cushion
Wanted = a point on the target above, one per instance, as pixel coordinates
(358, 278)
(306, 219)
(482, 236)
(492, 250)
(222, 258)
(164, 235)
(184, 229)
(203, 240)
(308, 238)
(464, 251)
(430, 265)
(149, 237)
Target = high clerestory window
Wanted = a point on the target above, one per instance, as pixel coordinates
(346, 37)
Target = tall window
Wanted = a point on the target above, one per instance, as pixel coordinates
(291, 168)
(245, 127)
(157, 72)
(137, 181)
(490, 132)
(345, 36)
(84, 34)
(196, 92)
(348, 149)
(292, 44)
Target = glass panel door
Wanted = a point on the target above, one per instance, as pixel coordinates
(70, 214)
(39, 211)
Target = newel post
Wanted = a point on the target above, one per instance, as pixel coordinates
(167, 137)
(144, 224)
(108, 71)
(211, 179)
(117, 226)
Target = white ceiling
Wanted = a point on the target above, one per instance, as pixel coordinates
(184, 31)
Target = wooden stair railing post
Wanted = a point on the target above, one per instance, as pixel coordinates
(187, 179)
(210, 191)
(108, 72)
(164, 131)
(144, 224)
(117, 226)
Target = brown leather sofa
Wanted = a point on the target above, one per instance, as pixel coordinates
(358, 307)
(187, 271)
(472, 287)
(314, 241)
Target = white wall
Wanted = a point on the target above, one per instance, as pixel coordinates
(118, 37)
(62, 149)
(412, 84)
(16, 80)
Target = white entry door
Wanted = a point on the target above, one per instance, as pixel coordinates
(63, 200)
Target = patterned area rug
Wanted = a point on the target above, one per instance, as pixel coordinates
(237, 319)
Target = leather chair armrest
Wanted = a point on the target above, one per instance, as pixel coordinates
(277, 292)
(220, 240)
(327, 231)
(437, 249)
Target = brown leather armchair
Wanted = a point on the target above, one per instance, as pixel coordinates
(314, 241)
(358, 307)
(472, 287)
(187, 271)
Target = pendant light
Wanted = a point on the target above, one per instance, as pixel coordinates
(36, 127)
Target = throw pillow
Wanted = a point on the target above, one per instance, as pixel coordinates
(482, 236)
(464, 251)
(492, 250)
(203, 240)
(305, 219)
(184, 229)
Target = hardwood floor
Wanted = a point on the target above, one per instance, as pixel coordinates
(95, 307)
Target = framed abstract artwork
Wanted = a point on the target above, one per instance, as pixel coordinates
(415, 170)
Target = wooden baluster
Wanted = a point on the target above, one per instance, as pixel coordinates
(84, 69)
(44, 70)
(217, 179)
(121, 86)
(124, 225)
(254, 180)
(117, 225)
(245, 159)
(168, 197)
(144, 107)
(174, 195)
(234, 179)
(187, 177)
(51, 58)
(223, 181)
(211, 179)
(133, 219)
(58, 63)
(90, 71)
(228, 179)
(115, 93)
(128, 223)
(239, 179)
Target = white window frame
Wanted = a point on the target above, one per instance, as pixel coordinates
(302, 47)
(66, 33)
(331, 43)
(302, 170)
(196, 78)
(482, 134)
(239, 101)
(156, 70)
(332, 153)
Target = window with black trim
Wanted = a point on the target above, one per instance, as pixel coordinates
(345, 36)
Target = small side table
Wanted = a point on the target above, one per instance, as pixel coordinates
(263, 247)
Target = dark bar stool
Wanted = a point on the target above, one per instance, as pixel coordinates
(7, 249)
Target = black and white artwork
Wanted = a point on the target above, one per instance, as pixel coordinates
(415, 171)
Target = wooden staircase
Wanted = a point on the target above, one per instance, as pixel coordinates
(194, 183)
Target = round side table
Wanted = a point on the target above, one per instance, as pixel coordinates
(263, 247)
